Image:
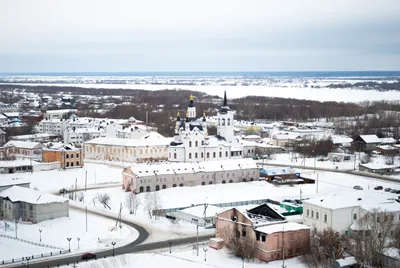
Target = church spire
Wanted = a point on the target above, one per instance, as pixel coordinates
(225, 100)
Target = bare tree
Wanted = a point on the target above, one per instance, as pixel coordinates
(325, 247)
(151, 202)
(81, 197)
(133, 201)
(242, 247)
(104, 199)
(373, 236)
(396, 238)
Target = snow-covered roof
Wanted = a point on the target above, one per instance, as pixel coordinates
(198, 211)
(18, 163)
(282, 227)
(13, 181)
(392, 252)
(63, 111)
(32, 136)
(85, 130)
(24, 144)
(278, 171)
(130, 142)
(347, 199)
(182, 168)
(152, 135)
(11, 114)
(59, 146)
(17, 193)
(386, 147)
(388, 140)
(339, 139)
(379, 166)
(370, 138)
(251, 137)
(389, 207)
(346, 261)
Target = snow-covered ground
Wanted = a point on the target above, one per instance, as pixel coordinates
(14, 249)
(101, 232)
(185, 258)
(54, 180)
(317, 94)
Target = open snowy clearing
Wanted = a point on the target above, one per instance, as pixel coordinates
(14, 249)
(317, 94)
(101, 232)
(185, 258)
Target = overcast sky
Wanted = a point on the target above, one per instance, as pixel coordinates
(190, 35)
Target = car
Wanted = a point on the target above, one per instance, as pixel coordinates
(88, 255)
(63, 191)
(397, 191)
(378, 187)
(357, 187)
(388, 189)
(393, 191)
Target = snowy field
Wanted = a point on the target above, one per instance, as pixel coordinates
(317, 94)
(100, 234)
(14, 249)
(54, 180)
(185, 258)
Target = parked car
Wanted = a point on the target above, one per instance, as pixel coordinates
(63, 191)
(388, 189)
(357, 187)
(378, 187)
(397, 191)
(88, 255)
(393, 191)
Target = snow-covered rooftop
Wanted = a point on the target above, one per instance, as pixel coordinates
(198, 211)
(24, 144)
(32, 136)
(63, 111)
(13, 181)
(387, 140)
(338, 139)
(386, 147)
(389, 207)
(17, 163)
(17, 193)
(278, 171)
(370, 138)
(345, 262)
(130, 142)
(379, 166)
(282, 227)
(346, 199)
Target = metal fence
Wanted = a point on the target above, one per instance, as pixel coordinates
(30, 242)
(35, 257)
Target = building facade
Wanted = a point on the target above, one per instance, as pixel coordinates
(162, 176)
(25, 149)
(78, 136)
(67, 155)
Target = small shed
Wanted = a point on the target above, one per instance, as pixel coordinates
(216, 243)
(283, 173)
(346, 262)
(202, 215)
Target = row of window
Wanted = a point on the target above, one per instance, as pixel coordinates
(214, 155)
(119, 151)
(68, 164)
(316, 215)
(222, 122)
(148, 188)
(71, 155)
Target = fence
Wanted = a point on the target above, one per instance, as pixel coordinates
(35, 257)
(46, 166)
(29, 242)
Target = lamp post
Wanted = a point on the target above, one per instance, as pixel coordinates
(16, 228)
(69, 243)
(27, 261)
(315, 160)
(113, 244)
(170, 244)
(78, 241)
(205, 253)
(40, 234)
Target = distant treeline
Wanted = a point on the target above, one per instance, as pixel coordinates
(370, 85)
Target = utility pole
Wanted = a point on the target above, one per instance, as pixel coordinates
(40, 233)
(197, 245)
(16, 229)
(86, 217)
(317, 183)
(205, 253)
(283, 247)
(78, 241)
(76, 185)
(85, 180)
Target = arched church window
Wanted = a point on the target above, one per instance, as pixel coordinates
(229, 121)
(219, 122)
(223, 121)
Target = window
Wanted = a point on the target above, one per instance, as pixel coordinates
(214, 154)
(308, 213)
(244, 180)
(77, 155)
(190, 143)
(243, 233)
(354, 216)
(312, 213)
(164, 186)
(377, 219)
(174, 155)
(195, 155)
(230, 181)
(220, 154)
(203, 183)
(181, 185)
(67, 164)
(196, 143)
(208, 155)
(30, 207)
(317, 215)
(223, 182)
(226, 154)
(72, 164)
(258, 236)
(148, 189)
(210, 182)
(157, 187)
(202, 155)
(141, 189)
(263, 238)
(385, 218)
(190, 155)
(325, 218)
(66, 155)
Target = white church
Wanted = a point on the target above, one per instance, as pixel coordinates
(191, 141)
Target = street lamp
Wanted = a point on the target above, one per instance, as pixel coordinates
(205, 253)
(27, 261)
(40, 233)
(78, 241)
(69, 243)
(170, 244)
(113, 244)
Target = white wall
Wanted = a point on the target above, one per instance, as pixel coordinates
(46, 166)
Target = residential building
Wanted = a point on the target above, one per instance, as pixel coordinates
(38, 137)
(3, 119)
(273, 236)
(67, 155)
(127, 150)
(285, 139)
(282, 173)
(388, 150)
(16, 166)
(339, 210)
(379, 168)
(25, 149)
(367, 142)
(59, 114)
(3, 135)
(132, 132)
(201, 215)
(52, 126)
(8, 183)
(162, 176)
(20, 203)
(191, 141)
(78, 136)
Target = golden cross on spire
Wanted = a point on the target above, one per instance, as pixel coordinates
(191, 97)
(204, 114)
(179, 113)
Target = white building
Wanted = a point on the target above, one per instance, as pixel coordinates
(127, 150)
(340, 210)
(154, 177)
(132, 132)
(59, 114)
(52, 126)
(191, 141)
(31, 205)
(77, 136)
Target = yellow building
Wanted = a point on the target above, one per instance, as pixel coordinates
(66, 155)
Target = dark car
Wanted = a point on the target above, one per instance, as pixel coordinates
(88, 255)
(357, 187)
(388, 189)
(378, 187)
(393, 191)
(397, 191)
(63, 191)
